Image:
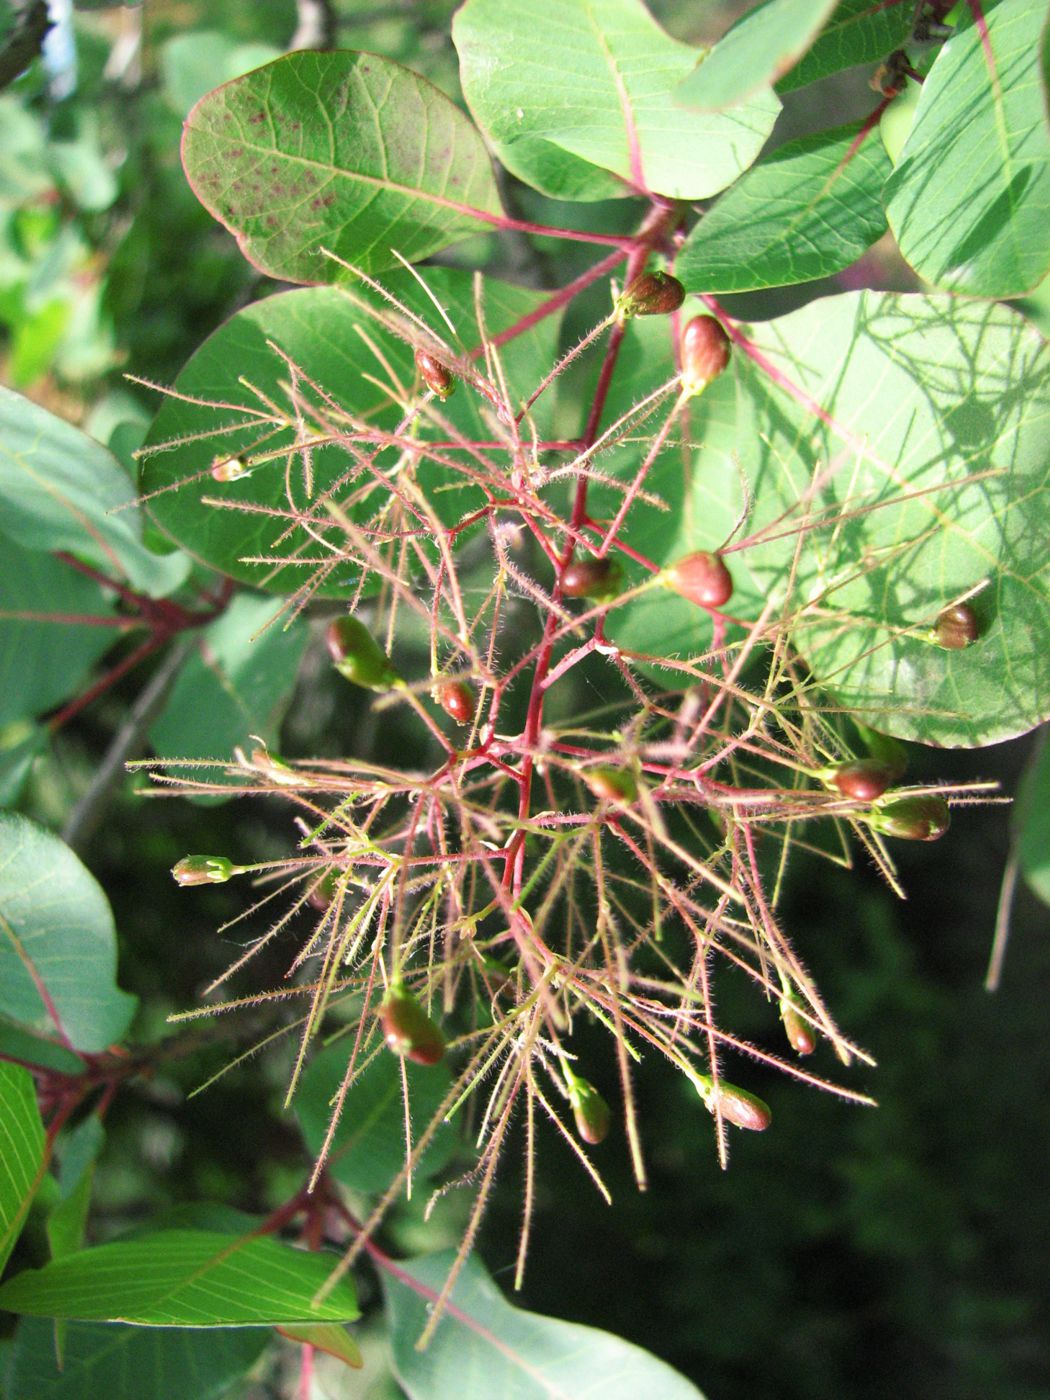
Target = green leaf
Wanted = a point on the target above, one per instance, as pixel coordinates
(20, 743)
(34, 1050)
(184, 1278)
(489, 1347)
(320, 329)
(886, 407)
(58, 491)
(759, 49)
(368, 1149)
(969, 201)
(76, 1175)
(43, 663)
(806, 211)
(859, 31)
(1032, 822)
(57, 941)
(328, 1337)
(344, 151)
(236, 684)
(21, 1153)
(578, 98)
(111, 1361)
(193, 63)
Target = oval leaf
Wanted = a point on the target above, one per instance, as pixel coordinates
(806, 211)
(969, 200)
(578, 99)
(185, 1278)
(344, 151)
(245, 403)
(59, 490)
(517, 1353)
(57, 942)
(759, 49)
(859, 31)
(21, 1152)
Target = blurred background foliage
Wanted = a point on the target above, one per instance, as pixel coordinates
(848, 1254)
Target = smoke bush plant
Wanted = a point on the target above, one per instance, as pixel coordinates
(754, 541)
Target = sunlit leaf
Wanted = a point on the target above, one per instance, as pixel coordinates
(328, 1337)
(21, 1152)
(859, 31)
(759, 49)
(578, 98)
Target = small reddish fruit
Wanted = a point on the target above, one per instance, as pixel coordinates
(800, 1034)
(457, 700)
(956, 627)
(912, 818)
(862, 780)
(650, 294)
(592, 1114)
(739, 1107)
(702, 578)
(203, 870)
(407, 1028)
(438, 378)
(592, 578)
(705, 353)
(612, 784)
(358, 656)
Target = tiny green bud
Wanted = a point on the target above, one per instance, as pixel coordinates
(650, 294)
(912, 818)
(705, 353)
(800, 1034)
(438, 378)
(612, 784)
(592, 578)
(956, 627)
(407, 1028)
(702, 578)
(358, 656)
(322, 894)
(592, 1114)
(203, 870)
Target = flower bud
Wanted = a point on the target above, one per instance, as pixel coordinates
(203, 870)
(612, 784)
(592, 1114)
(739, 1107)
(862, 779)
(438, 378)
(912, 818)
(407, 1028)
(225, 469)
(956, 627)
(650, 294)
(358, 656)
(457, 700)
(592, 578)
(800, 1034)
(705, 353)
(702, 578)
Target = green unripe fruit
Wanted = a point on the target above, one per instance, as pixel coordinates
(800, 1034)
(203, 870)
(407, 1029)
(592, 578)
(701, 578)
(438, 378)
(912, 818)
(890, 752)
(650, 294)
(612, 784)
(956, 627)
(358, 656)
(590, 1111)
(705, 353)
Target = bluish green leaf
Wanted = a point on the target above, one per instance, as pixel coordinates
(969, 201)
(58, 491)
(322, 332)
(57, 941)
(344, 151)
(21, 1152)
(20, 743)
(578, 98)
(67, 1219)
(185, 1278)
(859, 31)
(194, 62)
(369, 1145)
(489, 1348)
(806, 211)
(103, 1361)
(1032, 817)
(760, 48)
